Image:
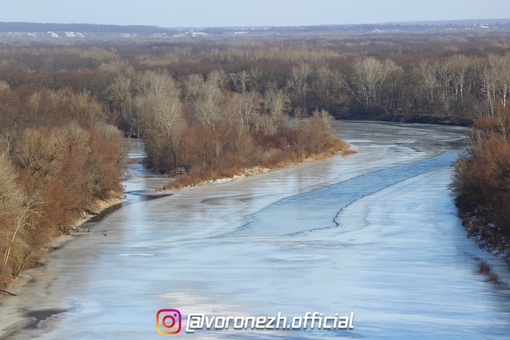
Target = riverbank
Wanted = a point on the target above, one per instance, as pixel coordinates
(15, 320)
(487, 235)
(480, 184)
(410, 119)
(113, 285)
(41, 254)
(226, 175)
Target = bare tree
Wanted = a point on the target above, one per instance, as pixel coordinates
(38, 151)
(326, 81)
(298, 82)
(16, 212)
(300, 115)
(240, 81)
(161, 118)
(489, 83)
(119, 93)
(218, 78)
(277, 107)
(255, 76)
(369, 79)
(204, 98)
(500, 66)
(458, 66)
(246, 106)
(428, 72)
(244, 80)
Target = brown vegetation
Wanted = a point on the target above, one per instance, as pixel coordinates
(216, 133)
(262, 151)
(481, 182)
(482, 174)
(50, 178)
(58, 160)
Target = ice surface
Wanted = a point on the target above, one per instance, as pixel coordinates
(375, 233)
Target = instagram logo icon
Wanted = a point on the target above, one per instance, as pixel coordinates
(168, 321)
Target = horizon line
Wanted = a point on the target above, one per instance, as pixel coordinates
(419, 22)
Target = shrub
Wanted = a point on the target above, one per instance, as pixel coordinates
(49, 177)
(482, 175)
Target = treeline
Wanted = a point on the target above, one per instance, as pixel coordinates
(442, 79)
(204, 129)
(481, 182)
(59, 160)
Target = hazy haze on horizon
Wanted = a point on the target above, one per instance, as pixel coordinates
(218, 13)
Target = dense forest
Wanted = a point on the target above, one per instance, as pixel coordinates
(59, 160)
(450, 79)
(208, 108)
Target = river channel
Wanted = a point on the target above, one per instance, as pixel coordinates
(374, 234)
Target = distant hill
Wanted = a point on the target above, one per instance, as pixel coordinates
(63, 31)
(25, 30)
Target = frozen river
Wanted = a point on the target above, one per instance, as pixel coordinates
(374, 234)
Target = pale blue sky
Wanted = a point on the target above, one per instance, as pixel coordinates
(202, 13)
